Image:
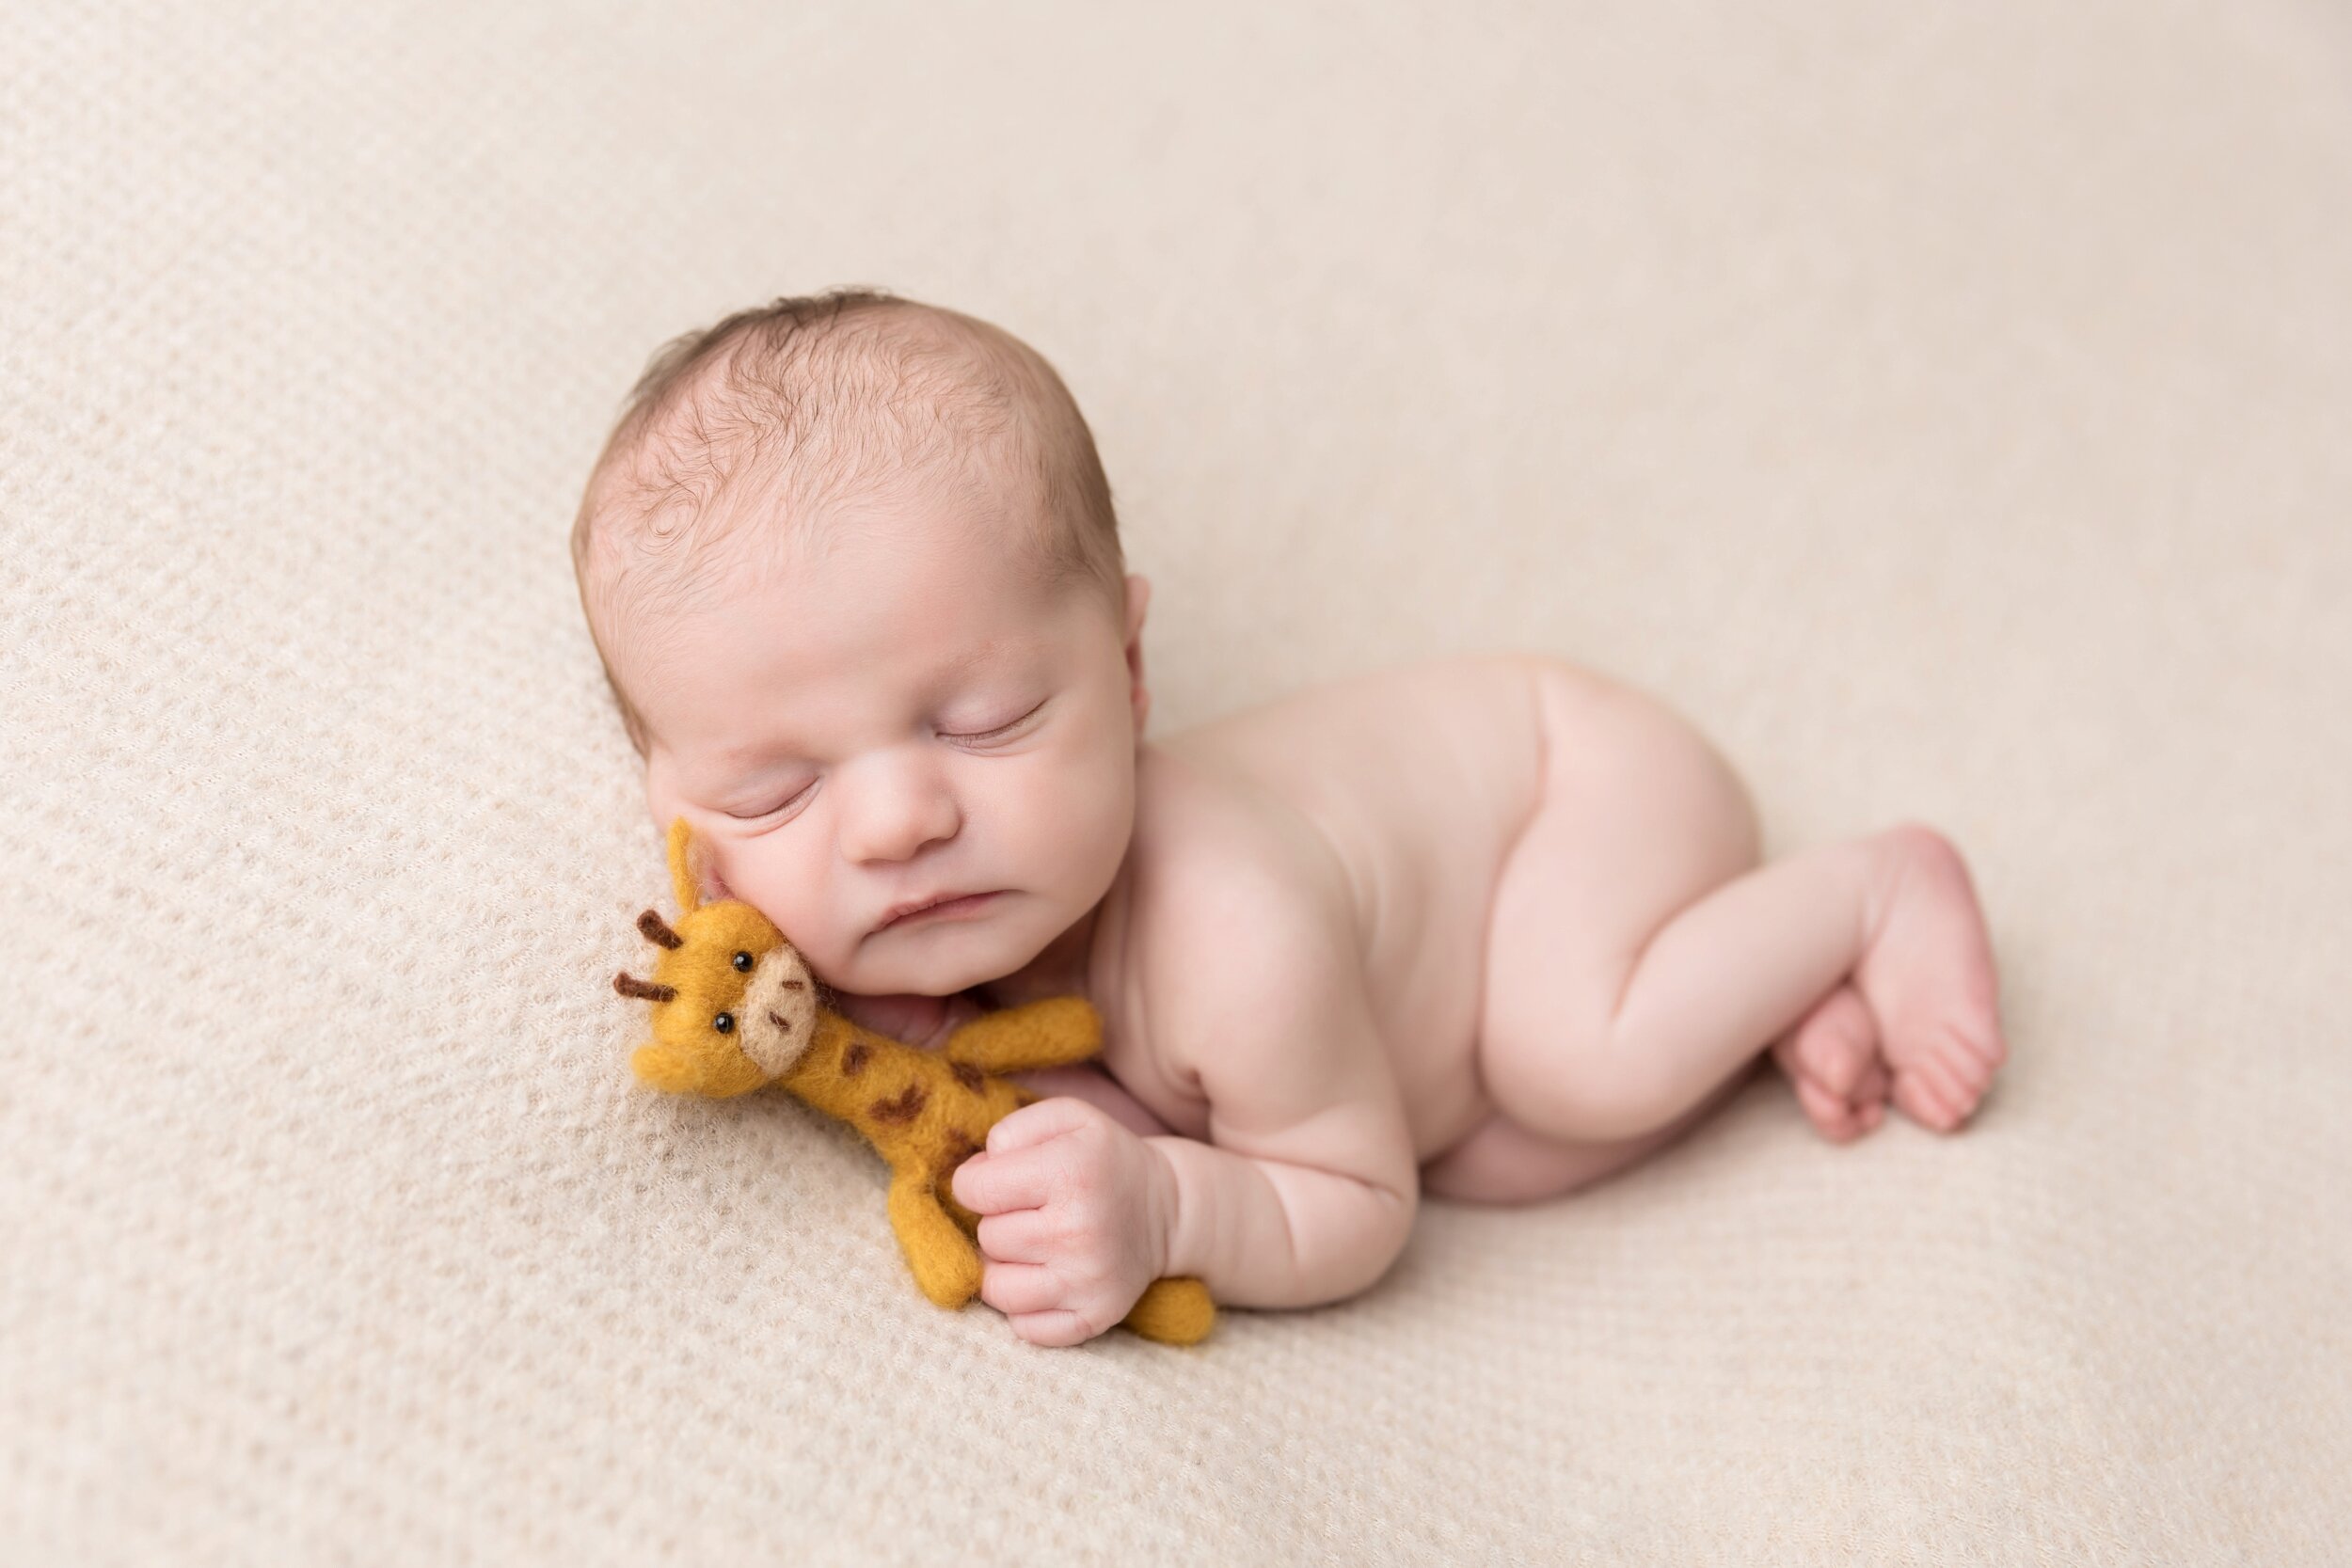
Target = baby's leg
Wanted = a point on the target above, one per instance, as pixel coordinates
(1501, 1162)
(1638, 953)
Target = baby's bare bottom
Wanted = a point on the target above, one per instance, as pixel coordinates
(1640, 959)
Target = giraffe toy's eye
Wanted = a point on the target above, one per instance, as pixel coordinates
(743, 962)
(724, 1023)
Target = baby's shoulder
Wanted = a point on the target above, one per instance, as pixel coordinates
(1214, 844)
(1237, 904)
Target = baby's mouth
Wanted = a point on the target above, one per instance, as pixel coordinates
(963, 904)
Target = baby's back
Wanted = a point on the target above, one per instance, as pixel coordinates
(1389, 801)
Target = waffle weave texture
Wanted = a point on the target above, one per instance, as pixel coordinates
(1944, 405)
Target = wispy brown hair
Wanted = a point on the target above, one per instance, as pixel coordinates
(814, 398)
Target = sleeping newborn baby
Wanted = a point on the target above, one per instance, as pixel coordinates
(1488, 926)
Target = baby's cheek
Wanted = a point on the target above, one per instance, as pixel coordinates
(1088, 786)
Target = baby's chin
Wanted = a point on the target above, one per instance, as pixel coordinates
(934, 962)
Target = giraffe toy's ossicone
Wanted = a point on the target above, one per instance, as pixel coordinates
(736, 1007)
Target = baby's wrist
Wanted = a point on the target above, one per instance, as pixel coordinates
(1163, 1206)
(1190, 1201)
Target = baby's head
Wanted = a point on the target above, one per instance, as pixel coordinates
(852, 568)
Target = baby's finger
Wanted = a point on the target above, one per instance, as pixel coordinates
(1039, 1120)
(1061, 1327)
(1017, 1235)
(994, 1184)
(1016, 1288)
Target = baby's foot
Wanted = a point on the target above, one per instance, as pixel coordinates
(1927, 974)
(1831, 1057)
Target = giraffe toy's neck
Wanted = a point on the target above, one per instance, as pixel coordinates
(838, 1071)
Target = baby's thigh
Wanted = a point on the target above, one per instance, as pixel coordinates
(1638, 816)
(1504, 1162)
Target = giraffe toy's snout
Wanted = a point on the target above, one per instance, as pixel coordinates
(779, 1010)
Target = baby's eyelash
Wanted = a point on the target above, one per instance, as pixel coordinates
(757, 815)
(983, 735)
(999, 728)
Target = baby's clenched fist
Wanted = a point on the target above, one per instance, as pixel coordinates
(1075, 1211)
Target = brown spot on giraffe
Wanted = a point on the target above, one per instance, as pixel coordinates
(904, 1108)
(962, 1145)
(966, 1074)
(853, 1059)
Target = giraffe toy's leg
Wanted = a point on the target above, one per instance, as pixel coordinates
(945, 1262)
(1055, 1031)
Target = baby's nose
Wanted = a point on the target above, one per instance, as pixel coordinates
(892, 824)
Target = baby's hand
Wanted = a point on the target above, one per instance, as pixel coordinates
(1075, 1214)
(916, 1020)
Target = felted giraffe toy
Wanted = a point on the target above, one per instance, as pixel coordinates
(736, 1007)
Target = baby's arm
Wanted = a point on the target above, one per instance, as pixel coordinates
(1308, 1188)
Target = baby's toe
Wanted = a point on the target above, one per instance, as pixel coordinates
(1954, 1084)
(1870, 1092)
(1984, 1045)
(1964, 1070)
(1830, 1115)
(1929, 1098)
(1920, 1104)
(1834, 1044)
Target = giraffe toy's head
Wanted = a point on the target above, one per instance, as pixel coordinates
(734, 1005)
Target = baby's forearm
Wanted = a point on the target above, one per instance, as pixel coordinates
(1267, 1234)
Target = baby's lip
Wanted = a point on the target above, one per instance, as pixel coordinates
(916, 905)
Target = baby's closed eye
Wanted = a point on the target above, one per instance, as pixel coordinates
(977, 738)
(755, 814)
(998, 731)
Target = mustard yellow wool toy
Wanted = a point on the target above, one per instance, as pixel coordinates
(736, 1007)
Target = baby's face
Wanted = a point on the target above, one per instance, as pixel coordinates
(905, 717)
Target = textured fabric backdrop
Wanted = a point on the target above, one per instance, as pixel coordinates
(1948, 407)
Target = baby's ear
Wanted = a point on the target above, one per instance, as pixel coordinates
(1139, 597)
